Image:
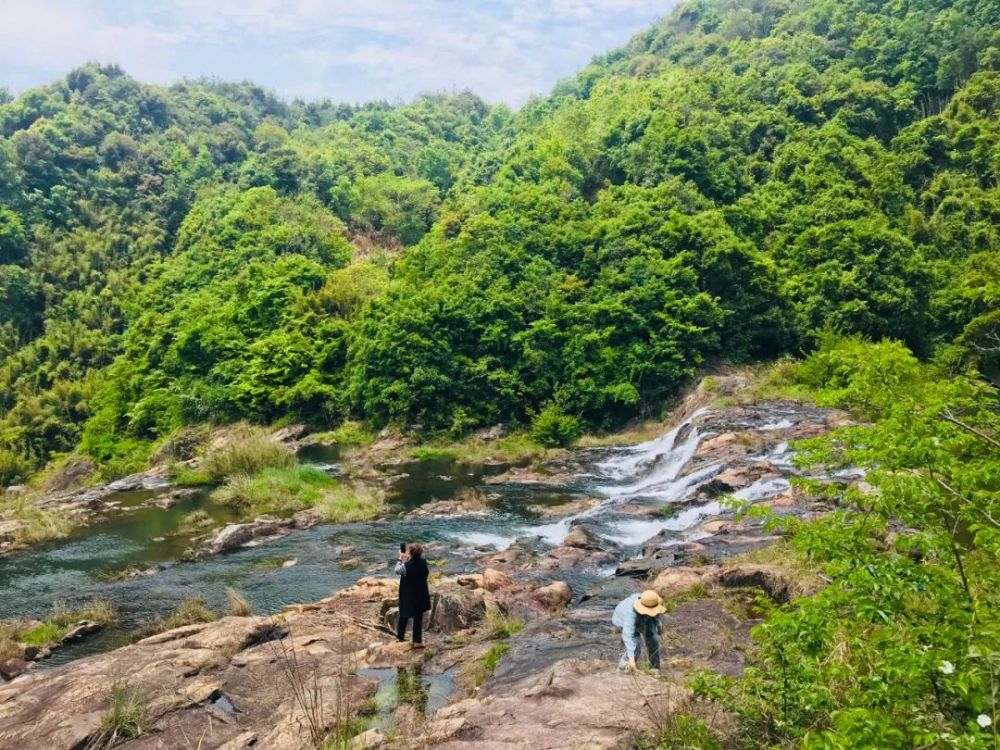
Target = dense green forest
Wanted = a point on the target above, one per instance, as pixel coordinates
(736, 180)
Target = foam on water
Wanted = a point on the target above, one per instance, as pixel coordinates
(784, 424)
(762, 489)
(636, 531)
(660, 454)
(652, 466)
(483, 539)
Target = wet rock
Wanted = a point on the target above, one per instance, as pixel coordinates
(289, 433)
(80, 630)
(13, 668)
(533, 475)
(727, 440)
(582, 537)
(237, 535)
(469, 504)
(147, 480)
(170, 499)
(565, 509)
(495, 432)
(565, 557)
(650, 563)
(555, 595)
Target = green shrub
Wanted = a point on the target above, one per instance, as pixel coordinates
(428, 453)
(185, 476)
(43, 635)
(346, 503)
(492, 660)
(502, 625)
(553, 428)
(14, 468)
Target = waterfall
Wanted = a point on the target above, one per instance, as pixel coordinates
(652, 466)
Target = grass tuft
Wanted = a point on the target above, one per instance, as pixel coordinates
(238, 604)
(503, 626)
(126, 718)
(253, 451)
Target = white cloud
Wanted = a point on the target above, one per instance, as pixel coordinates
(54, 36)
(354, 50)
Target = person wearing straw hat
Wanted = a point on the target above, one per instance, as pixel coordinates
(638, 616)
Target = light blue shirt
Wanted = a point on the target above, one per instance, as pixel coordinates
(626, 618)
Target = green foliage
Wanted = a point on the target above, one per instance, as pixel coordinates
(735, 182)
(44, 634)
(553, 428)
(502, 626)
(680, 732)
(284, 491)
(272, 490)
(900, 649)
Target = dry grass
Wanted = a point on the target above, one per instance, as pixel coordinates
(804, 577)
(251, 450)
(126, 718)
(238, 604)
(35, 524)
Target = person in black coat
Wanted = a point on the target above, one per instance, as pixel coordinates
(414, 595)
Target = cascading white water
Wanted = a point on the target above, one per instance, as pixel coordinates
(657, 463)
(659, 454)
(649, 472)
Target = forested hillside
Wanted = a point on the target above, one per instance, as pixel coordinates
(736, 180)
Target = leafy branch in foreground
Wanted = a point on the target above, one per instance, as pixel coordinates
(900, 650)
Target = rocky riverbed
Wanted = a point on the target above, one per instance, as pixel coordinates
(594, 526)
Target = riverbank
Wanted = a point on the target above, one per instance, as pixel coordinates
(514, 661)
(528, 564)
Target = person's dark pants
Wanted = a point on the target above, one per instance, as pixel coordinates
(418, 627)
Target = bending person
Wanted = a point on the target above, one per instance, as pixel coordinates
(638, 616)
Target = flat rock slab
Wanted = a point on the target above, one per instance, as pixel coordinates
(573, 704)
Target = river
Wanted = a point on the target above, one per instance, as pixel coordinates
(76, 569)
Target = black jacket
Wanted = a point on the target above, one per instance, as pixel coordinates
(414, 596)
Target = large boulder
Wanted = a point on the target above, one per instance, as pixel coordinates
(555, 595)
(237, 535)
(494, 580)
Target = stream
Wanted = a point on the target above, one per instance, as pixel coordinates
(76, 569)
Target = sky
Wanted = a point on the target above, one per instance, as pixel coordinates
(347, 50)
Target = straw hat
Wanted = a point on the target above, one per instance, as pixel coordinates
(649, 603)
